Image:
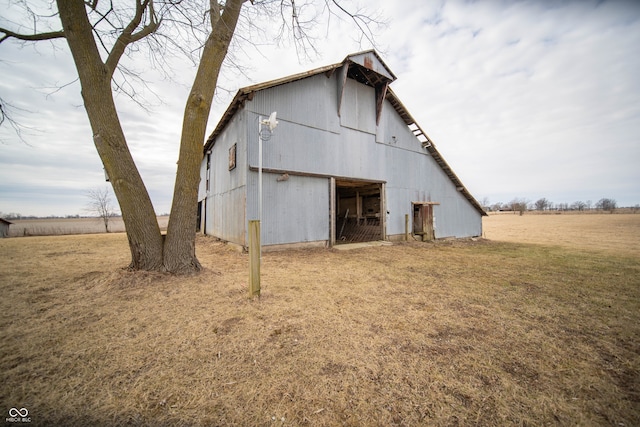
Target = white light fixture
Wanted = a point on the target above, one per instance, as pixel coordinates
(271, 121)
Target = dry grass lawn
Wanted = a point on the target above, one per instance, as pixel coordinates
(486, 333)
(593, 232)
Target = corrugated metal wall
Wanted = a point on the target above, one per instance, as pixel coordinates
(294, 210)
(358, 109)
(225, 202)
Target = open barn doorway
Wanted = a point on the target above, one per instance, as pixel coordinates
(359, 208)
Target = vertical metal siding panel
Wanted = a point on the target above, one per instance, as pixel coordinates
(309, 102)
(302, 149)
(295, 210)
(349, 110)
(227, 220)
(359, 107)
(226, 202)
(366, 108)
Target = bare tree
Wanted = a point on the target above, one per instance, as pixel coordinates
(497, 206)
(519, 205)
(606, 204)
(542, 204)
(486, 204)
(579, 205)
(100, 205)
(99, 34)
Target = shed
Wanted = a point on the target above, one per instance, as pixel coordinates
(346, 163)
(4, 227)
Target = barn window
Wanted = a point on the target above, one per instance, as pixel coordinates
(232, 156)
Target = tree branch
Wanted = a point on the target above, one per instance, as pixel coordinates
(128, 36)
(214, 12)
(6, 116)
(362, 21)
(30, 37)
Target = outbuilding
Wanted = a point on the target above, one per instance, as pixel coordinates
(4, 227)
(346, 163)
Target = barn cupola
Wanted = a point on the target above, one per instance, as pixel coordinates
(369, 69)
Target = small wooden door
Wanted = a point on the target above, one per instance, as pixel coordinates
(423, 221)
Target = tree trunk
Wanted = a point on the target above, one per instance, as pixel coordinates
(148, 250)
(143, 232)
(179, 247)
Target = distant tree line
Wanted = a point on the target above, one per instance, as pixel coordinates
(17, 215)
(14, 215)
(522, 205)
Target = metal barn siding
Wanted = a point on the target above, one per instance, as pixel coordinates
(420, 180)
(295, 208)
(303, 102)
(225, 203)
(358, 107)
(297, 148)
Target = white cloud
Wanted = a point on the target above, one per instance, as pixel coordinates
(520, 96)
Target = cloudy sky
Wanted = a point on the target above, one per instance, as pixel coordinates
(524, 99)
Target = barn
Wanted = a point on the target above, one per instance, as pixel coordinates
(346, 163)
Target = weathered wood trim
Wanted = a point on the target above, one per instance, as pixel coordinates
(342, 83)
(381, 94)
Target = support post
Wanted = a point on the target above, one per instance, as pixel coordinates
(332, 212)
(406, 227)
(260, 168)
(254, 258)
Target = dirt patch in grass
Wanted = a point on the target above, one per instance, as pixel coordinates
(455, 333)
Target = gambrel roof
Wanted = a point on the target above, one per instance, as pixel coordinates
(367, 68)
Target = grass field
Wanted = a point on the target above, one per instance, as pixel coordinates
(62, 226)
(521, 329)
(593, 232)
